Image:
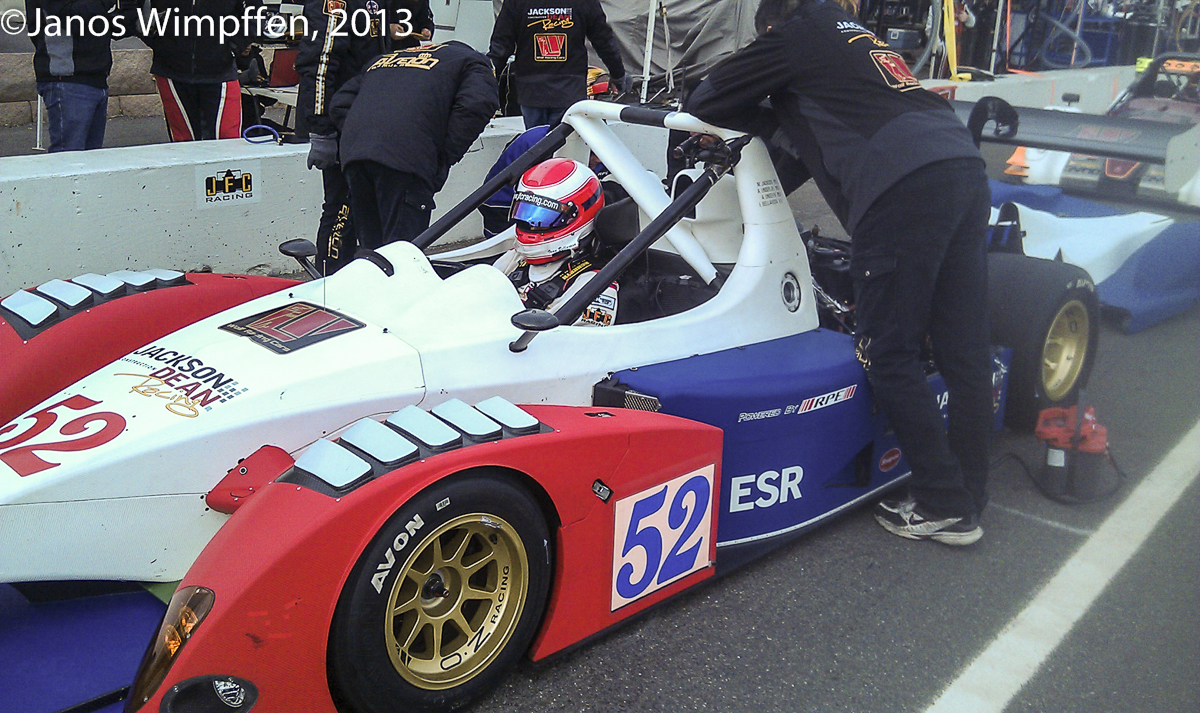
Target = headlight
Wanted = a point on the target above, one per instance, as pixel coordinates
(184, 614)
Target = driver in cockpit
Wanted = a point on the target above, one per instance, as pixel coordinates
(554, 209)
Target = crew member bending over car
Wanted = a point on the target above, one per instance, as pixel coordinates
(904, 177)
(554, 209)
(335, 50)
(404, 122)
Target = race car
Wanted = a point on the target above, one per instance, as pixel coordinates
(377, 541)
(1167, 92)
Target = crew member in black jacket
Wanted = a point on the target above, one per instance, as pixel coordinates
(403, 123)
(195, 71)
(903, 175)
(552, 60)
(334, 52)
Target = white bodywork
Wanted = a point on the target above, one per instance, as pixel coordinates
(133, 507)
(1098, 245)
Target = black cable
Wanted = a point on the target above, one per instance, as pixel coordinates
(1058, 497)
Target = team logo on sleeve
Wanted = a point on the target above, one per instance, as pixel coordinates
(550, 47)
(335, 7)
(895, 72)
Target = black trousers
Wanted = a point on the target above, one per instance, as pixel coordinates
(335, 231)
(919, 259)
(386, 205)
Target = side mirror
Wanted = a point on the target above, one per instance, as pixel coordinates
(303, 250)
(532, 321)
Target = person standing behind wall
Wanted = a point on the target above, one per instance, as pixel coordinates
(72, 73)
(403, 123)
(195, 71)
(333, 53)
(552, 61)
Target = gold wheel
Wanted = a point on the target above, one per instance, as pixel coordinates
(1065, 350)
(457, 601)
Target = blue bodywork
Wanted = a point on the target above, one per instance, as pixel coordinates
(803, 439)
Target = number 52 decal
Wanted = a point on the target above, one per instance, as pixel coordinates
(661, 534)
(22, 457)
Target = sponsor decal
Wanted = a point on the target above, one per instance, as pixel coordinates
(287, 329)
(894, 70)
(759, 415)
(1107, 133)
(230, 693)
(87, 430)
(183, 381)
(419, 60)
(550, 47)
(869, 38)
(222, 185)
(772, 487)
(549, 18)
(829, 399)
(889, 460)
(661, 535)
(846, 26)
(335, 7)
(389, 560)
(810, 404)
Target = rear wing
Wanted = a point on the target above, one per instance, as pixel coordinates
(1174, 145)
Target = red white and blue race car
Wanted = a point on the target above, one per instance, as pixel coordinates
(361, 517)
(1166, 93)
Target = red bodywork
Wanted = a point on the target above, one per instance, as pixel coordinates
(34, 370)
(279, 565)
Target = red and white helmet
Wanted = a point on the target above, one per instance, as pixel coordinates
(554, 207)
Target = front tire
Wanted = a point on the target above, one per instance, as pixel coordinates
(444, 600)
(1049, 314)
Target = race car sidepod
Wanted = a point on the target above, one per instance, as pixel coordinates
(408, 565)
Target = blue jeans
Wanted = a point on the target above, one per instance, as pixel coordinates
(919, 259)
(77, 115)
(542, 115)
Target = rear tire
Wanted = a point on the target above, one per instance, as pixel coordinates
(1049, 314)
(444, 600)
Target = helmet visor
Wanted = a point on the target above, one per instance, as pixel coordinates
(538, 214)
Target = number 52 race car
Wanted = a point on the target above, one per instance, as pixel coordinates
(361, 517)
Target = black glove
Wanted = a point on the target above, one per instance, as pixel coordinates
(322, 151)
(624, 83)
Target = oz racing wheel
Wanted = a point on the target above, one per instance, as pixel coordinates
(1049, 314)
(444, 600)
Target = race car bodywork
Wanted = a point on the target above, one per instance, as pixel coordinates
(377, 542)
(1166, 94)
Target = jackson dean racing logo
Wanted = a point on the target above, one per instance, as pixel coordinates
(286, 329)
(661, 535)
(550, 47)
(895, 72)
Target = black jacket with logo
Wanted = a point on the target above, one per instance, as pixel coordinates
(86, 59)
(416, 110)
(195, 55)
(548, 37)
(846, 103)
(335, 51)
